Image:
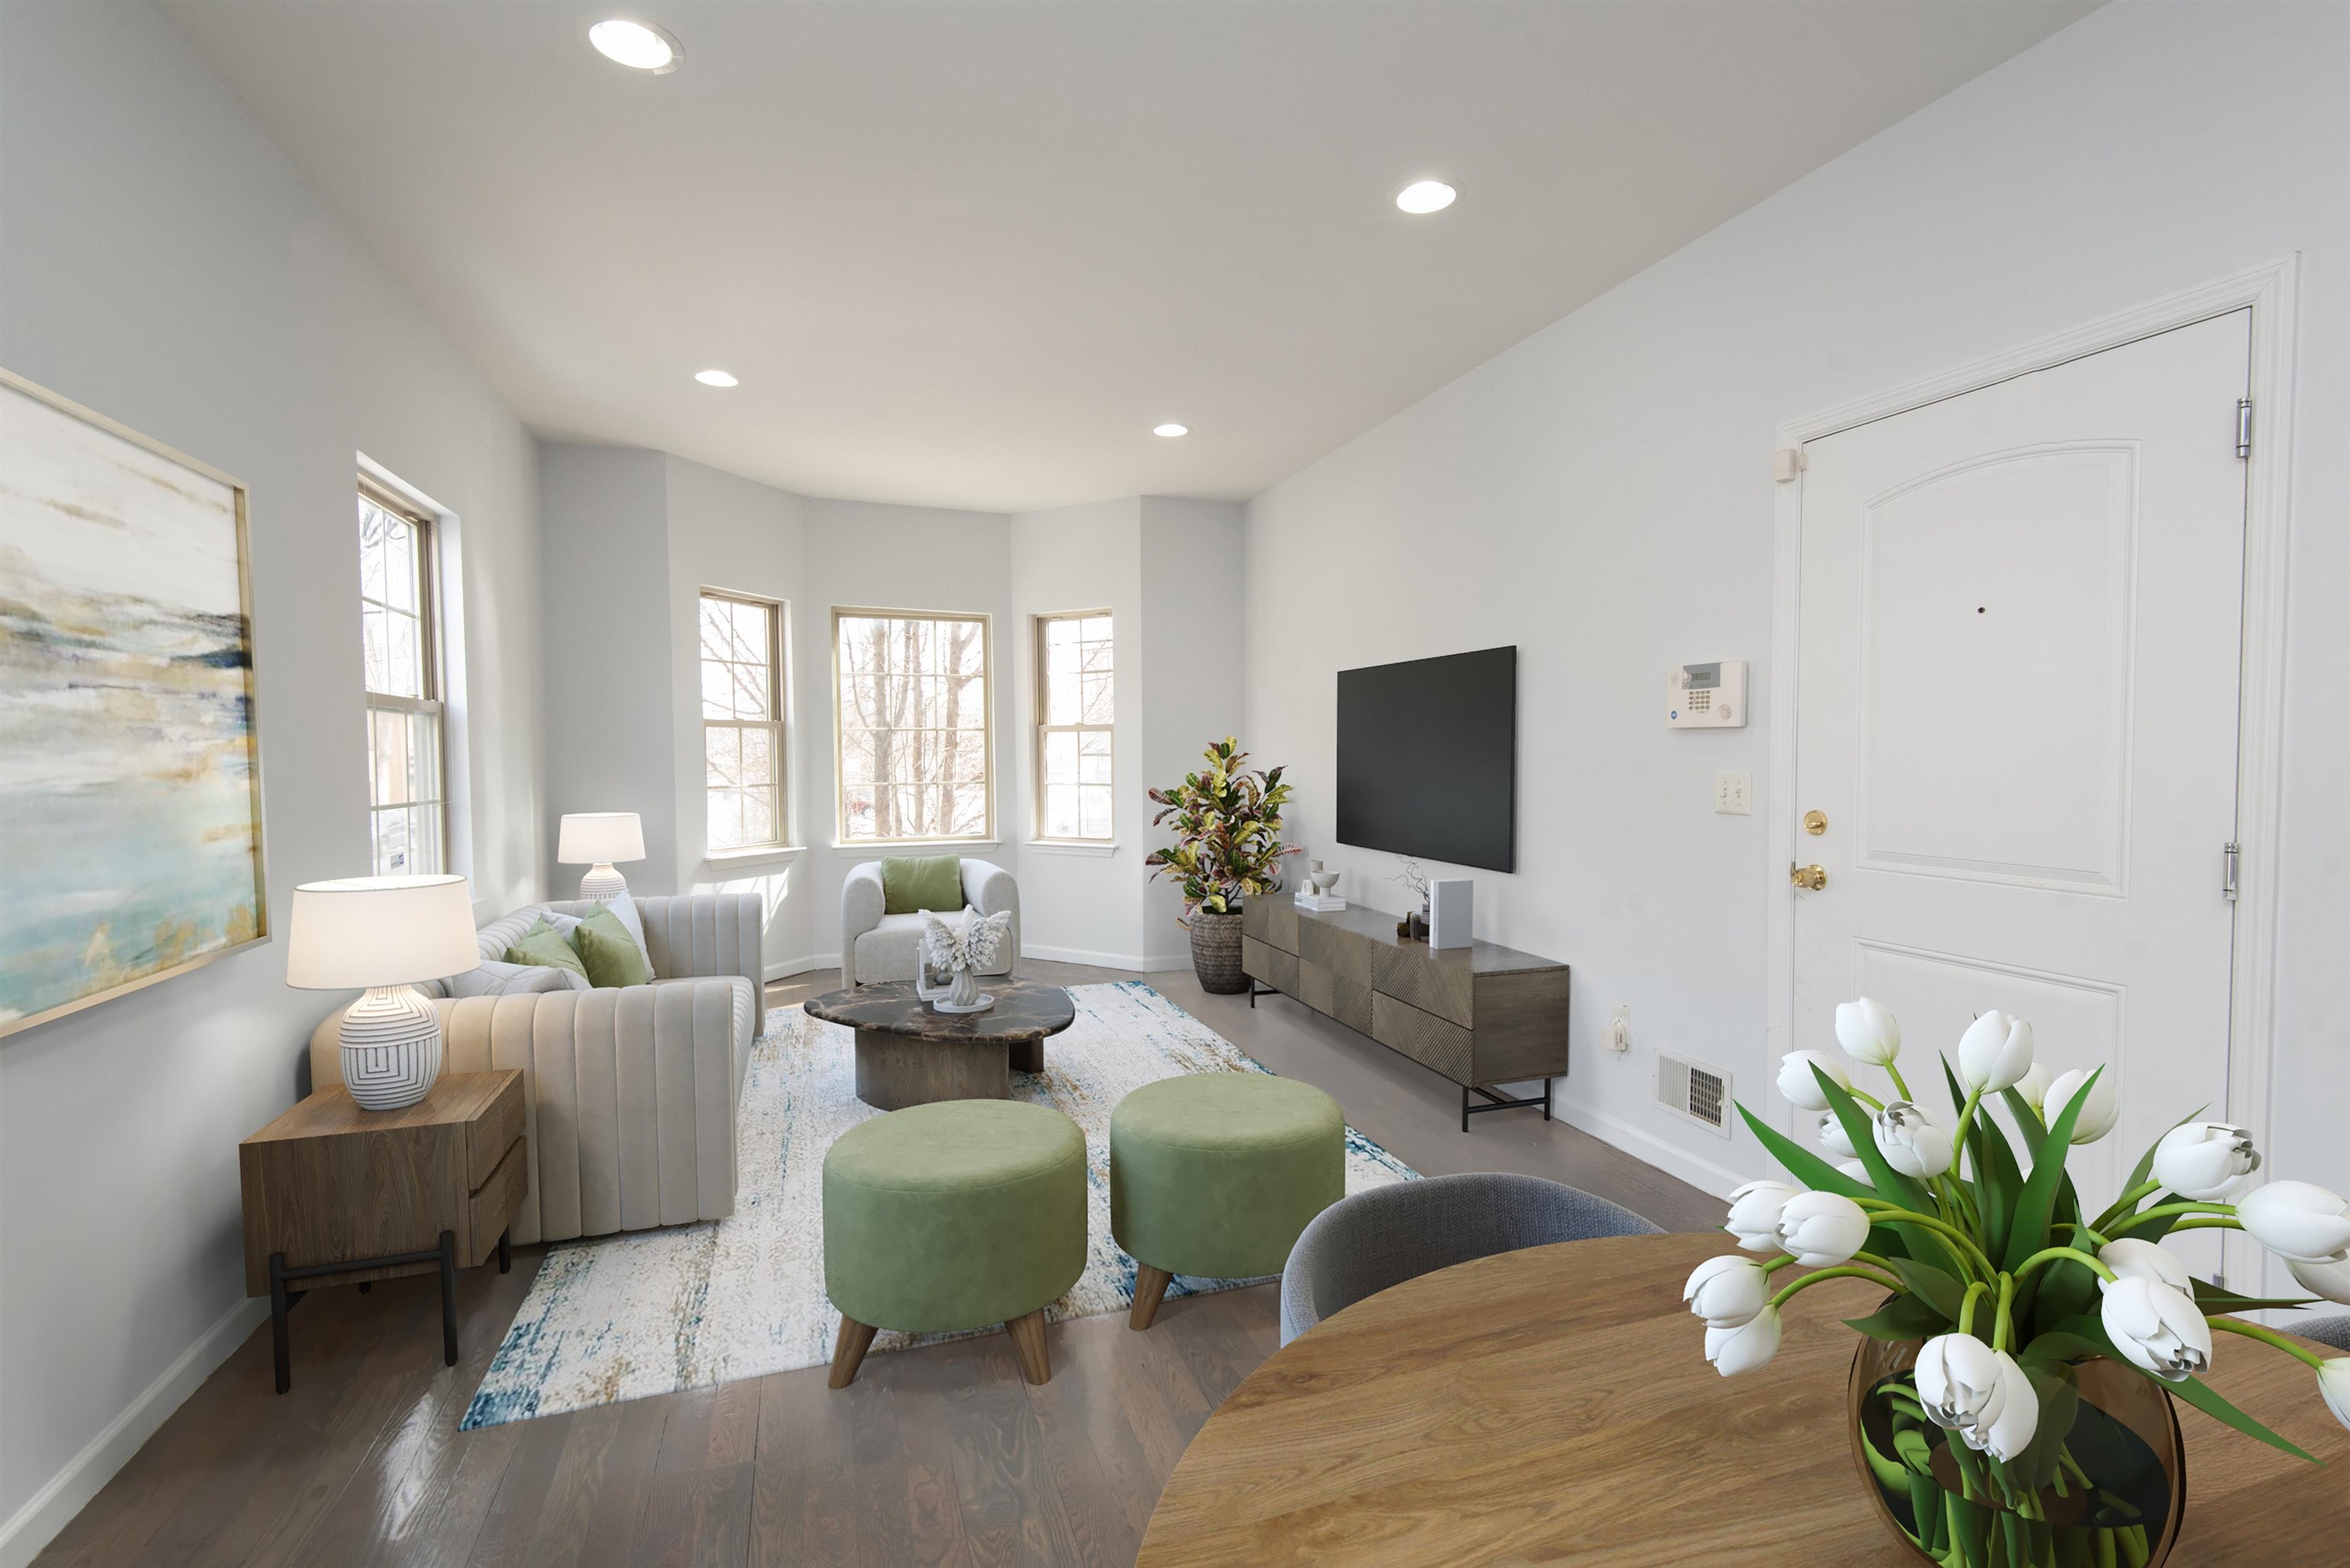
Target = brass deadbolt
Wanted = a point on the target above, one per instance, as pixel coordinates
(1816, 823)
(1812, 877)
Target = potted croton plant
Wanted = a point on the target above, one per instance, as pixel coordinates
(2011, 1400)
(1227, 848)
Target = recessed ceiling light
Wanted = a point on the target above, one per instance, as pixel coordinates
(1171, 430)
(715, 378)
(640, 46)
(1426, 196)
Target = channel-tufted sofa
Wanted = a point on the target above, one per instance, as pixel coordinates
(629, 1093)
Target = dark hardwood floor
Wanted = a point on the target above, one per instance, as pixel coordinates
(936, 1456)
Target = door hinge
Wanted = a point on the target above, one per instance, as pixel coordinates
(2232, 857)
(2243, 427)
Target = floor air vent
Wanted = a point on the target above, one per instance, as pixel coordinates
(1693, 1093)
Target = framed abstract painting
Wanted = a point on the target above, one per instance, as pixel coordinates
(130, 764)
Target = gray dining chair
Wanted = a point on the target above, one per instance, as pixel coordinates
(1362, 1244)
(2332, 1331)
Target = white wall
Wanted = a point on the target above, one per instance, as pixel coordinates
(163, 265)
(1190, 675)
(1600, 496)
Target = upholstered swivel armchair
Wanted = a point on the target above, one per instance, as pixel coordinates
(876, 947)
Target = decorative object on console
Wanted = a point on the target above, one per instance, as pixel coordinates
(1227, 852)
(597, 839)
(1318, 894)
(130, 763)
(383, 934)
(1413, 925)
(1450, 920)
(974, 943)
(2012, 1399)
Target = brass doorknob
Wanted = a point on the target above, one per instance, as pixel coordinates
(1812, 877)
(1816, 823)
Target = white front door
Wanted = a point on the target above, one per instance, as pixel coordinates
(2019, 643)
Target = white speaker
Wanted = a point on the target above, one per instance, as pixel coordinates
(1450, 924)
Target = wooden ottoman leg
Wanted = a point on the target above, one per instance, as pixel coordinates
(1028, 1339)
(1149, 1289)
(848, 1350)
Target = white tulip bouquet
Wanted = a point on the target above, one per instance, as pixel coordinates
(2007, 1282)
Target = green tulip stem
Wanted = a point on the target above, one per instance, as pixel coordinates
(1842, 1271)
(1975, 1289)
(2269, 1336)
(1895, 1073)
(2069, 1255)
(2210, 1222)
(2088, 1231)
(1864, 1097)
(2127, 1201)
(2002, 1331)
(1780, 1261)
(1892, 1213)
(2165, 1211)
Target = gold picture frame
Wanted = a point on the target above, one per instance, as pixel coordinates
(130, 797)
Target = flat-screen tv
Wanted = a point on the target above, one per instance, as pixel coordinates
(1428, 758)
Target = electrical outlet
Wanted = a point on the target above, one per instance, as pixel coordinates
(1733, 793)
(1620, 1029)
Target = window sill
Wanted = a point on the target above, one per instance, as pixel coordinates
(735, 857)
(1070, 847)
(875, 849)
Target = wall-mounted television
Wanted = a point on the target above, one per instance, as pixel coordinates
(1428, 758)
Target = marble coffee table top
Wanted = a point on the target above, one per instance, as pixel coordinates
(1024, 1010)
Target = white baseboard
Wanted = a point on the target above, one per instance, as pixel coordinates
(1134, 961)
(784, 969)
(1717, 1180)
(65, 1493)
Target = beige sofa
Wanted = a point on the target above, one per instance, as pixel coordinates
(629, 1093)
(875, 947)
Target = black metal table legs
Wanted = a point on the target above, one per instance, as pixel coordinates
(282, 1298)
(1501, 1102)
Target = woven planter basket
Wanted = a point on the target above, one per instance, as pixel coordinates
(1216, 953)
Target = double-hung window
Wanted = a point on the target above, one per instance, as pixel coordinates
(1075, 705)
(910, 701)
(742, 721)
(407, 739)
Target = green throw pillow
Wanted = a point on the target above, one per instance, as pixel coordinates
(544, 945)
(912, 883)
(611, 955)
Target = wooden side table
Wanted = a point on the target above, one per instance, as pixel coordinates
(334, 1195)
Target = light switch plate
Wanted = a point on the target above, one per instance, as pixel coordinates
(1733, 793)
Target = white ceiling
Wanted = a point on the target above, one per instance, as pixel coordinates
(968, 253)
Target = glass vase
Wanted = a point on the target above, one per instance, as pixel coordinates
(2104, 1480)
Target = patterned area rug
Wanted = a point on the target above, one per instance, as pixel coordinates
(619, 1318)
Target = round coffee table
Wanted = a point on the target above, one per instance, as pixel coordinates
(908, 1055)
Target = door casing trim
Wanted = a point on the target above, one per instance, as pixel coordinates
(2270, 292)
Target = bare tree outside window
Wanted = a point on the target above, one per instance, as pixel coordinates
(408, 814)
(910, 697)
(741, 721)
(1074, 707)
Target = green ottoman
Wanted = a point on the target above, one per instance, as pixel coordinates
(1216, 1173)
(953, 1215)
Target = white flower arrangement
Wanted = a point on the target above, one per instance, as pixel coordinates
(1995, 1266)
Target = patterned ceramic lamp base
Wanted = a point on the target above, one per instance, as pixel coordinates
(392, 1048)
(602, 884)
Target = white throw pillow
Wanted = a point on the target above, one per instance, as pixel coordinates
(498, 979)
(623, 906)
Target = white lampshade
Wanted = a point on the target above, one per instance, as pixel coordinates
(600, 839)
(365, 932)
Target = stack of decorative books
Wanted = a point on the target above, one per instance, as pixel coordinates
(1321, 904)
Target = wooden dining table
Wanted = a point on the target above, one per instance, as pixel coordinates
(1555, 1405)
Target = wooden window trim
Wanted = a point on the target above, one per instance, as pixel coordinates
(986, 623)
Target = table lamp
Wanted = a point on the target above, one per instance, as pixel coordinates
(595, 840)
(383, 933)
